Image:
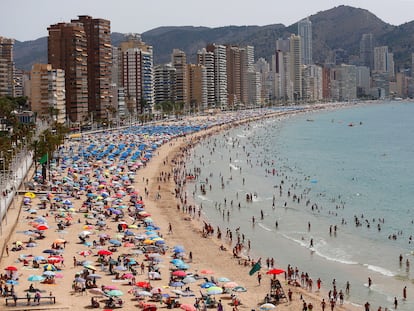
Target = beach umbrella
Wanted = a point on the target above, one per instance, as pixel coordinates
(31, 244)
(54, 259)
(176, 261)
(39, 258)
(10, 268)
(127, 276)
(239, 289)
(223, 279)
(90, 267)
(189, 279)
(275, 271)
(115, 293)
(187, 307)
(144, 293)
(176, 284)
(12, 282)
(208, 285)
(35, 278)
(49, 267)
(30, 195)
(182, 266)
(178, 249)
(49, 273)
(207, 271)
(214, 290)
(267, 306)
(115, 242)
(179, 273)
(42, 227)
(154, 275)
(104, 252)
(177, 291)
(80, 280)
(143, 284)
(94, 276)
(50, 251)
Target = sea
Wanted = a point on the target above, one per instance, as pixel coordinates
(332, 194)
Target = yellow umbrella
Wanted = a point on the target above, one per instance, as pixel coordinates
(133, 227)
(148, 241)
(30, 195)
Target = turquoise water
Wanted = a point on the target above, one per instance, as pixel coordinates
(364, 171)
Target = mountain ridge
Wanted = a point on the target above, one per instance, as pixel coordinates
(338, 28)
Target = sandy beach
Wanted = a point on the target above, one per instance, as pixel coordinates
(178, 226)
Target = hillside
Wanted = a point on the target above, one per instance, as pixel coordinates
(337, 28)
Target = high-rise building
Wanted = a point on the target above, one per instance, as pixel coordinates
(164, 83)
(99, 60)
(248, 82)
(179, 62)
(234, 77)
(344, 82)
(220, 74)
(6, 67)
(305, 33)
(207, 60)
(137, 74)
(47, 92)
(296, 66)
(366, 50)
(67, 50)
(381, 59)
(197, 87)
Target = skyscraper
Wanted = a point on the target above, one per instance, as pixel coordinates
(197, 87)
(137, 74)
(6, 67)
(296, 66)
(67, 50)
(207, 60)
(220, 74)
(179, 62)
(99, 60)
(305, 33)
(366, 50)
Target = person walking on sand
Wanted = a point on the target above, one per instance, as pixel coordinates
(259, 277)
(323, 304)
(169, 228)
(405, 293)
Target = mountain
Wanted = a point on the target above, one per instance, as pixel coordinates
(339, 28)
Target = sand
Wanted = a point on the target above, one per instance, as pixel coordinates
(186, 231)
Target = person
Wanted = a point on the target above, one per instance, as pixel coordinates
(405, 293)
(219, 306)
(369, 282)
(367, 306)
(14, 298)
(37, 297)
(29, 297)
(259, 277)
(395, 303)
(347, 287)
(323, 304)
(169, 228)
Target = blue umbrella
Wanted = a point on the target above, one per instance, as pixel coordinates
(12, 282)
(178, 249)
(176, 284)
(207, 285)
(115, 242)
(176, 261)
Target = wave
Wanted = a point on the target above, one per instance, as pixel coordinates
(234, 167)
(264, 227)
(380, 270)
(203, 198)
(317, 251)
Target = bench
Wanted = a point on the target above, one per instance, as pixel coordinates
(52, 299)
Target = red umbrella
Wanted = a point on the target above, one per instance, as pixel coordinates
(54, 259)
(143, 284)
(104, 252)
(10, 268)
(42, 227)
(179, 273)
(275, 271)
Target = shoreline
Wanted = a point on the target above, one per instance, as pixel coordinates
(188, 233)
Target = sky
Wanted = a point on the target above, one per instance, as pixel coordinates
(28, 19)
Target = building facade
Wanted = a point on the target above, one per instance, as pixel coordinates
(67, 50)
(305, 33)
(6, 67)
(47, 92)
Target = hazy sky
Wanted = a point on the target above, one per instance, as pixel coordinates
(29, 19)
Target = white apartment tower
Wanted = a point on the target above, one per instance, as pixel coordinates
(296, 66)
(207, 60)
(305, 33)
(220, 74)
